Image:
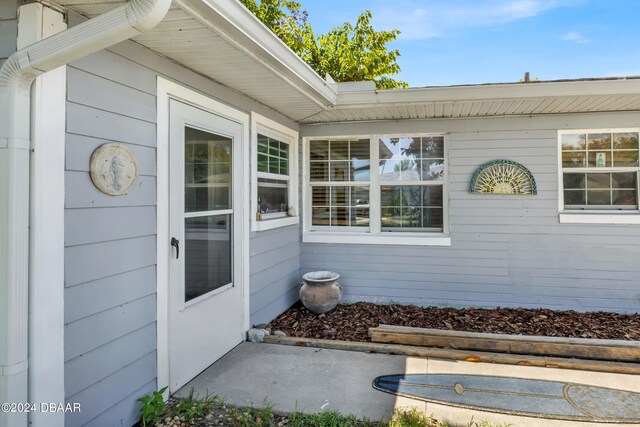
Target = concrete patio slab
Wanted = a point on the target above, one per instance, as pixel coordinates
(315, 380)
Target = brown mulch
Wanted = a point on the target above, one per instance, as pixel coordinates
(352, 322)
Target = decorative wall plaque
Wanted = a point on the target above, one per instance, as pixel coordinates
(503, 177)
(114, 169)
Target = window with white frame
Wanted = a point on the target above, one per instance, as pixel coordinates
(378, 186)
(274, 174)
(599, 170)
(339, 176)
(273, 177)
(411, 171)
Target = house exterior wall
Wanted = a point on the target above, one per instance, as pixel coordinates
(508, 251)
(275, 266)
(8, 29)
(110, 242)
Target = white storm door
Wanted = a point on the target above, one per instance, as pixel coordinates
(206, 315)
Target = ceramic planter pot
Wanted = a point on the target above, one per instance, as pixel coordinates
(320, 292)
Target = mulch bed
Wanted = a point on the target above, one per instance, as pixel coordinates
(352, 322)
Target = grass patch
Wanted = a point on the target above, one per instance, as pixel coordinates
(212, 411)
(329, 419)
(413, 418)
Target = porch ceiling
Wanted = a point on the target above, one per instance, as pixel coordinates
(223, 41)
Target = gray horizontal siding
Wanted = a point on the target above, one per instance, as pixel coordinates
(110, 255)
(274, 276)
(94, 331)
(112, 291)
(8, 29)
(8, 38)
(126, 412)
(99, 260)
(8, 10)
(93, 122)
(105, 224)
(111, 390)
(81, 193)
(506, 250)
(94, 366)
(80, 148)
(107, 95)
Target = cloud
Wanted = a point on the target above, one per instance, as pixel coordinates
(575, 37)
(440, 17)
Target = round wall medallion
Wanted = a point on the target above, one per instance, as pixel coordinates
(114, 169)
(503, 177)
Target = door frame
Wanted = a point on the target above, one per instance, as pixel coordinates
(166, 91)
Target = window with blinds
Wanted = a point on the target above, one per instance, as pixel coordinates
(339, 173)
(377, 186)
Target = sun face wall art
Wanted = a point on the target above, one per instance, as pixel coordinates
(503, 177)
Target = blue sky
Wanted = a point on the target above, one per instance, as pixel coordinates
(449, 42)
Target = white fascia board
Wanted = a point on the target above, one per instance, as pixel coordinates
(239, 26)
(488, 92)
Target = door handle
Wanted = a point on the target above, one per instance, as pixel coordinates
(176, 244)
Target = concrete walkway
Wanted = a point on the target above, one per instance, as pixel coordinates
(316, 380)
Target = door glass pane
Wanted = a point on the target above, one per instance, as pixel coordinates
(207, 254)
(207, 171)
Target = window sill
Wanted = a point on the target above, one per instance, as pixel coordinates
(409, 239)
(599, 218)
(270, 224)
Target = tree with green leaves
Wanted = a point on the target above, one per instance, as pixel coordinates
(347, 53)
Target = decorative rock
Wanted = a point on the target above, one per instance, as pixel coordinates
(263, 326)
(279, 333)
(257, 335)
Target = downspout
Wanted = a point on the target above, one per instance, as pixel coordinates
(16, 76)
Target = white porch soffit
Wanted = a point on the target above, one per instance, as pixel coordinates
(551, 97)
(221, 40)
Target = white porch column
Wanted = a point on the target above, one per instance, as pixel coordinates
(14, 251)
(16, 75)
(46, 248)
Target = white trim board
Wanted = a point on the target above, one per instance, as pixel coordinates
(167, 90)
(46, 247)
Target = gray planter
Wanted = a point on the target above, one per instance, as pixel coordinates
(320, 291)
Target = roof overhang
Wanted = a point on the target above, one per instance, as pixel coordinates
(576, 96)
(222, 40)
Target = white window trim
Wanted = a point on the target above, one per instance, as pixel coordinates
(265, 126)
(602, 216)
(373, 235)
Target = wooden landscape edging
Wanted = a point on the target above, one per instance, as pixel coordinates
(583, 348)
(461, 355)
